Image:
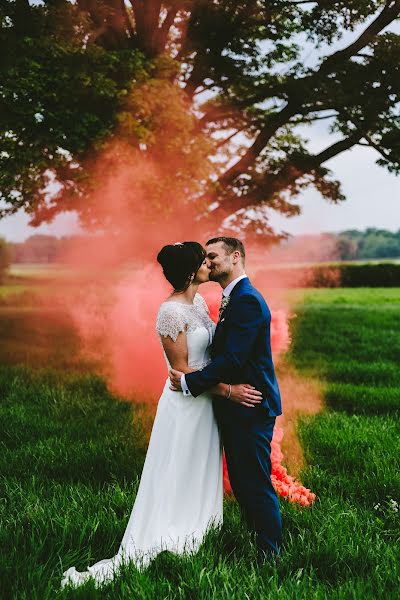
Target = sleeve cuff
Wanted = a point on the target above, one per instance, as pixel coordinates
(185, 389)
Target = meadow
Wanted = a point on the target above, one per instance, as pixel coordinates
(71, 457)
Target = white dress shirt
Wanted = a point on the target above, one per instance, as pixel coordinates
(225, 292)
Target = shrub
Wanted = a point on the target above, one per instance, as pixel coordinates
(370, 275)
(330, 276)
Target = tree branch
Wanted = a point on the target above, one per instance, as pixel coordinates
(363, 55)
(312, 119)
(372, 144)
(388, 14)
(22, 16)
(275, 121)
(226, 140)
(147, 17)
(136, 4)
(391, 10)
(216, 114)
(337, 148)
(204, 88)
(112, 25)
(278, 182)
(128, 22)
(163, 31)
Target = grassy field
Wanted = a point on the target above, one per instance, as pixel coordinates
(71, 457)
(40, 271)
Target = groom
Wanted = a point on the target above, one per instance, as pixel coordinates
(241, 352)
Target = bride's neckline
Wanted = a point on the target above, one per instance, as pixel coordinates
(177, 302)
(182, 303)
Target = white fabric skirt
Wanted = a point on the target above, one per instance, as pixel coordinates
(181, 488)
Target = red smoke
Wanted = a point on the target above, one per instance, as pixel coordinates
(117, 286)
(117, 328)
(285, 485)
(119, 331)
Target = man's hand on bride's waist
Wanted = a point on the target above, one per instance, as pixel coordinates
(239, 393)
(245, 394)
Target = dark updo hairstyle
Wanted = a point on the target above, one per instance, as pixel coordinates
(180, 261)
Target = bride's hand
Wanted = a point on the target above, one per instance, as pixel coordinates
(245, 394)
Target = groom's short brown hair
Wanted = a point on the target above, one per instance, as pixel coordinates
(231, 245)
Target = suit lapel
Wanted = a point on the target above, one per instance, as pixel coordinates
(239, 287)
(242, 284)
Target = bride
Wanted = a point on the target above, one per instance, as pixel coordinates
(181, 488)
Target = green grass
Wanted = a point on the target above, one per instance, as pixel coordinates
(335, 326)
(71, 457)
(53, 272)
(70, 461)
(12, 290)
(39, 338)
(343, 449)
(347, 298)
(350, 338)
(363, 399)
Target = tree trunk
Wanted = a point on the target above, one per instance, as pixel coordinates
(112, 27)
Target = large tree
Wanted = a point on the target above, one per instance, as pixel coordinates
(221, 87)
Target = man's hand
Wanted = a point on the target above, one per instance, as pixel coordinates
(245, 394)
(175, 379)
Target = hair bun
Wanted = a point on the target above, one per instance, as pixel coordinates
(180, 261)
(167, 255)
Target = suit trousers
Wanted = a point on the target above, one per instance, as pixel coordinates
(246, 435)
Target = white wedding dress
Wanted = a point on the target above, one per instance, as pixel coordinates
(181, 488)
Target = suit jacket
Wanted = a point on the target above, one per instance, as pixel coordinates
(241, 349)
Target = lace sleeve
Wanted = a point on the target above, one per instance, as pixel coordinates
(201, 303)
(170, 321)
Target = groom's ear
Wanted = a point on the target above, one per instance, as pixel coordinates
(236, 256)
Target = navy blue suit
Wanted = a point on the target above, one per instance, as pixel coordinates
(241, 353)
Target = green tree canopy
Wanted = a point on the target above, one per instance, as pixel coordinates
(371, 243)
(221, 87)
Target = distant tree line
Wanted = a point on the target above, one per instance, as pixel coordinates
(75, 249)
(40, 249)
(372, 243)
(347, 245)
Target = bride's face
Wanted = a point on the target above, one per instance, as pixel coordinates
(203, 274)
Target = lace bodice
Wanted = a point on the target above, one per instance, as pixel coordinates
(174, 317)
